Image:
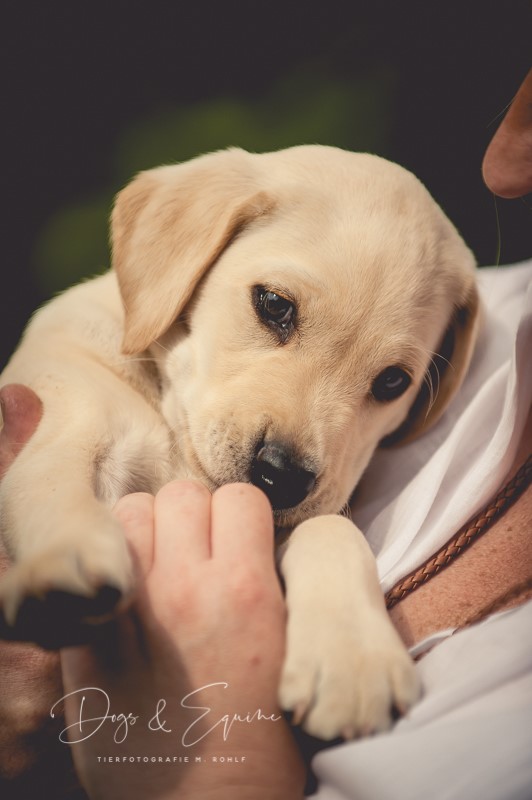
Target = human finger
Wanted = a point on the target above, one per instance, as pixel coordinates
(21, 411)
(135, 512)
(242, 525)
(182, 526)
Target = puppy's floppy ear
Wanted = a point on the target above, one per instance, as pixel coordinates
(445, 373)
(169, 226)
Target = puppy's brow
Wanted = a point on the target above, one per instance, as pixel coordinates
(282, 273)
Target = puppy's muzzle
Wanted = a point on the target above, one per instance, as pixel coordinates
(276, 471)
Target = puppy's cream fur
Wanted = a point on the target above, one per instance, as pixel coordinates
(161, 369)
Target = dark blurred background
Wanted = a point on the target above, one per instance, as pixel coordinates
(95, 91)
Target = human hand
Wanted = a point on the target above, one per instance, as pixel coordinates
(209, 610)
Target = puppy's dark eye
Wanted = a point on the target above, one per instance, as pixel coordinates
(392, 382)
(275, 308)
(276, 311)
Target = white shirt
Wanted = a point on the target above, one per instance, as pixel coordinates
(471, 734)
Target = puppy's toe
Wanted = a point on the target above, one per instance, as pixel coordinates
(405, 682)
(298, 686)
(347, 689)
(55, 597)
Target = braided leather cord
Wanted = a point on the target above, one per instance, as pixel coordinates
(465, 537)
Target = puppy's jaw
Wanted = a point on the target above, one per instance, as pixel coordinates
(217, 440)
(217, 451)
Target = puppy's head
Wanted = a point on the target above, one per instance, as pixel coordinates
(303, 306)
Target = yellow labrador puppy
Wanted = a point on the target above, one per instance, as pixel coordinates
(269, 318)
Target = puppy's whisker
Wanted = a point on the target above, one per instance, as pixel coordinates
(174, 449)
(432, 378)
(448, 364)
(345, 511)
(429, 383)
(159, 344)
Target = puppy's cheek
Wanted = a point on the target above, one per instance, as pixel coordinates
(218, 455)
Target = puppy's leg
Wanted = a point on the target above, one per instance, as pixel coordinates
(346, 668)
(71, 561)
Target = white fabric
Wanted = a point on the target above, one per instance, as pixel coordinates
(415, 497)
(469, 737)
(471, 734)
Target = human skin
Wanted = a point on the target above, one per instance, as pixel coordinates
(498, 563)
(507, 165)
(34, 674)
(208, 609)
(31, 677)
(500, 559)
(227, 613)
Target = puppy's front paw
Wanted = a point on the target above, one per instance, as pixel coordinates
(52, 597)
(346, 681)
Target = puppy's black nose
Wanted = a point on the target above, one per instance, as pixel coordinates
(281, 478)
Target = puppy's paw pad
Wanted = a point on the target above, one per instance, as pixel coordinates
(47, 597)
(59, 619)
